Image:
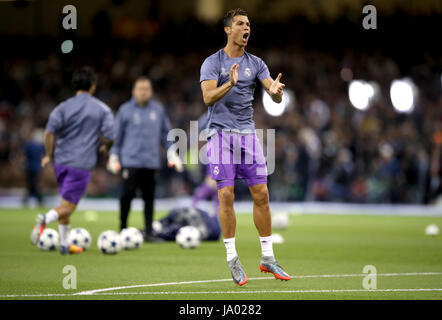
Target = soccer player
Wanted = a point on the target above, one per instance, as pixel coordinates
(228, 79)
(141, 126)
(71, 140)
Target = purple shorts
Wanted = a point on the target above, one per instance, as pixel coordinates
(72, 182)
(234, 156)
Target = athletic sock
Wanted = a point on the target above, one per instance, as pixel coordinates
(266, 246)
(51, 216)
(64, 234)
(230, 248)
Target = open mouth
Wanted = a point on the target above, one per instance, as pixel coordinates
(245, 36)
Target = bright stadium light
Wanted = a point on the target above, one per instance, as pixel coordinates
(276, 109)
(360, 94)
(403, 93)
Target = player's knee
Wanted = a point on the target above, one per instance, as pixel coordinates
(261, 197)
(226, 196)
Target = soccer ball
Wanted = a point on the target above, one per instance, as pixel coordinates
(109, 242)
(432, 230)
(80, 237)
(280, 220)
(188, 237)
(131, 238)
(157, 226)
(277, 238)
(49, 240)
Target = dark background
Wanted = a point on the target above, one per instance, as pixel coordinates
(310, 42)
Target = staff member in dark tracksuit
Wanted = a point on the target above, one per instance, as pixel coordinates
(141, 126)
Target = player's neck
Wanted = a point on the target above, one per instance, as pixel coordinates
(233, 50)
(81, 92)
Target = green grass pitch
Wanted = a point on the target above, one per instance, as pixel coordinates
(325, 253)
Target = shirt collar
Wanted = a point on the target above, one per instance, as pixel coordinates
(135, 103)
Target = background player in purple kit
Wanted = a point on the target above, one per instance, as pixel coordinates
(228, 80)
(71, 141)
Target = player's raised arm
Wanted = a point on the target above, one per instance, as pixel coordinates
(274, 88)
(212, 93)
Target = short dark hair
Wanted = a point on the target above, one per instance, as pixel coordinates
(228, 18)
(84, 78)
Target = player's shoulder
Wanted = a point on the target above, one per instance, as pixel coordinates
(254, 58)
(213, 58)
(156, 104)
(125, 106)
(100, 104)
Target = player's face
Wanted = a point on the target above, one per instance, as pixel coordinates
(142, 91)
(239, 32)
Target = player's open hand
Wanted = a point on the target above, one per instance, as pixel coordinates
(277, 86)
(45, 161)
(233, 74)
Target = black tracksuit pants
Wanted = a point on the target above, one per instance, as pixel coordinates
(134, 179)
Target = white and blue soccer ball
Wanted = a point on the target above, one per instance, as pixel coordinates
(80, 237)
(109, 242)
(131, 238)
(49, 240)
(188, 237)
(280, 220)
(432, 230)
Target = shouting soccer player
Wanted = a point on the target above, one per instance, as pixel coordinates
(228, 80)
(71, 141)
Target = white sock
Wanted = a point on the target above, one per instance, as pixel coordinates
(64, 234)
(51, 216)
(266, 246)
(230, 248)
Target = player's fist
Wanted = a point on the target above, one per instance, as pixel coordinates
(174, 161)
(233, 74)
(45, 161)
(113, 164)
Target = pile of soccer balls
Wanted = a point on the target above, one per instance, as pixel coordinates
(50, 240)
(111, 242)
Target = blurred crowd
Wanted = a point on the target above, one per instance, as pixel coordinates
(326, 150)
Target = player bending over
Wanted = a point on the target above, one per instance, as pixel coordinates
(71, 141)
(228, 80)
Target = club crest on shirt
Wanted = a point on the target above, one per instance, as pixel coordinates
(247, 72)
(224, 72)
(153, 115)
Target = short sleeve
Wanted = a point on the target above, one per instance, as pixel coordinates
(263, 71)
(209, 70)
(55, 121)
